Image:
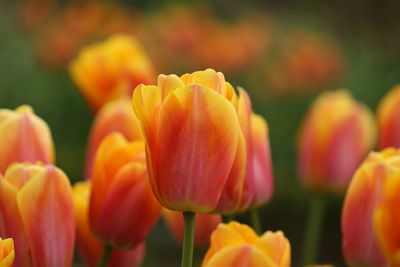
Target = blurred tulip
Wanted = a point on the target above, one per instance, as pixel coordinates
(123, 209)
(237, 244)
(193, 139)
(89, 246)
(111, 69)
(24, 138)
(389, 120)
(386, 217)
(34, 12)
(115, 116)
(360, 247)
(7, 253)
(36, 210)
(205, 224)
(335, 136)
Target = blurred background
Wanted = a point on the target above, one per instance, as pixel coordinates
(282, 52)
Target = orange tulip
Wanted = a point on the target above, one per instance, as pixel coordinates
(205, 224)
(386, 217)
(334, 138)
(7, 253)
(89, 246)
(111, 69)
(192, 134)
(36, 210)
(237, 244)
(123, 209)
(24, 138)
(360, 247)
(388, 119)
(115, 116)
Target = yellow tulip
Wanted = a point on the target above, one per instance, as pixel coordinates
(111, 69)
(237, 244)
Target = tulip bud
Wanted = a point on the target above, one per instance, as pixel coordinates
(389, 120)
(123, 209)
(24, 138)
(237, 244)
(360, 247)
(111, 69)
(192, 134)
(89, 246)
(115, 116)
(7, 253)
(386, 217)
(36, 210)
(205, 224)
(334, 138)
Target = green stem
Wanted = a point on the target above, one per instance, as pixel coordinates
(105, 256)
(313, 229)
(188, 239)
(255, 220)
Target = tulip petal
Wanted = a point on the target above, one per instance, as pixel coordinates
(262, 165)
(276, 246)
(115, 116)
(195, 151)
(46, 207)
(240, 256)
(359, 244)
(25, 138)
(235, 197)
(129, 210)
(168, 83)
(7, 253)
(387, 221)
(11, 223)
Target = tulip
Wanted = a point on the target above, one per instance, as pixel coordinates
(111, 69)
(335, 136)
(192, 133)
(123, 208)
(24, 138)
(388, 119)
(359, 242)
(7, 253)
(205, 224)
(115, 116)
(36, 210)
(386, 216)
(237, 244)
(91, 247)
(194, 144)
